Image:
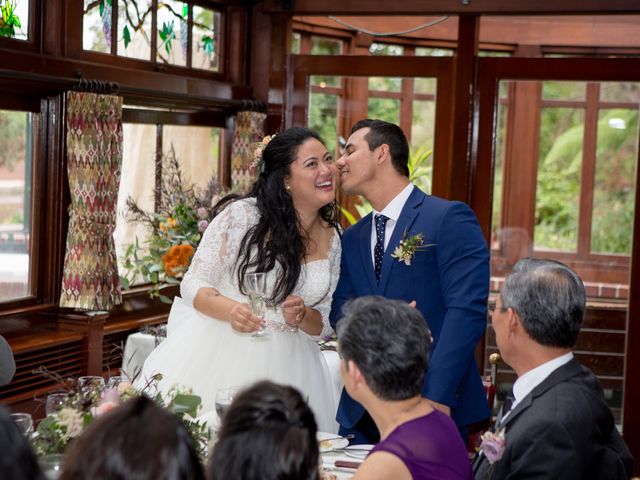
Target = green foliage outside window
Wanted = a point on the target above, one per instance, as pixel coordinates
(9, 21)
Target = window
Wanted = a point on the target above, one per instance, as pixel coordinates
(17, 141)
(14, 19)
(196, 149)
(565, 187)
(186, 35)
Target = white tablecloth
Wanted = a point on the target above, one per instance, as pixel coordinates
(140, 345)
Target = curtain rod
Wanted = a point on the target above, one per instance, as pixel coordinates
(100, 85)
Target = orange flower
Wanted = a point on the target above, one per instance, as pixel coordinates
(177, 259)
(168, 224)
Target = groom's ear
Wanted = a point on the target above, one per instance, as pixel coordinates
(382, 153)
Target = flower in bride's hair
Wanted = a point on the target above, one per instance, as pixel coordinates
(258, 162)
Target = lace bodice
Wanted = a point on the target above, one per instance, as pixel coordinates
(214, 262)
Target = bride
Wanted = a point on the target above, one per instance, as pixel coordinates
(287, 227)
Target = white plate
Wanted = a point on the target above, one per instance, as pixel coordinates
(330, 441)
(358, 451)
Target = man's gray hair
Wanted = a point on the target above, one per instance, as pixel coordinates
(549, 298)
(389, 342)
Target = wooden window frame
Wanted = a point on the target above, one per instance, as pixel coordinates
(519, 188)
(76, 50)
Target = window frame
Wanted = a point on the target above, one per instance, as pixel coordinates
(76, 50)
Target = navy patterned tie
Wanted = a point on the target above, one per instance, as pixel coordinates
(378, 251)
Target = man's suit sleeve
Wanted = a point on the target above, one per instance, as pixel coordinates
(463, 267)
(343, 292)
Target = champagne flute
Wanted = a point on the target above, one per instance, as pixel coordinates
(256, 283)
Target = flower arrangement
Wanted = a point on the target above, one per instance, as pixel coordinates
(258, 162)
(408, 247)
(175, 229)
(493, 445)
(57, 430)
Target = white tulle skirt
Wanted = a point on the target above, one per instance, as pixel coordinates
(206, 354)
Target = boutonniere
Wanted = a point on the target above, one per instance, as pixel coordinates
(493, 445)
(408, 247)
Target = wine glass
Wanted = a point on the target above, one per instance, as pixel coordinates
(55, 402)
(52, 465)
(114, 381)
(24, 422)
(224, 398)
(90, 387)
(256, 283)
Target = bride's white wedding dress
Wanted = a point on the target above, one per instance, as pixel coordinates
(206, 354)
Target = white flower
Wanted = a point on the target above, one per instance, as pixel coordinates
(72, 422)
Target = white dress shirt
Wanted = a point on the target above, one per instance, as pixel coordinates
(392, 211)
(530, 380)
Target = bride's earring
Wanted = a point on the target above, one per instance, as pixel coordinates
(287, 187)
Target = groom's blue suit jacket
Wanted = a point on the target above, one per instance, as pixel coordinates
(449, 280)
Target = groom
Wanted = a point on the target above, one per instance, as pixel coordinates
(443, 268)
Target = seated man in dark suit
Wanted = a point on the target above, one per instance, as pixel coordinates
(557, 425)
(7, 363)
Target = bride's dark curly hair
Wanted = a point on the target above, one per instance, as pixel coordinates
(278, 237)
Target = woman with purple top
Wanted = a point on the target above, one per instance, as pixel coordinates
(384, 346)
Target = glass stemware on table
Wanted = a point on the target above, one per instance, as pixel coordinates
(24, 422)
(56, 402)
(256, 284)
(224, 397)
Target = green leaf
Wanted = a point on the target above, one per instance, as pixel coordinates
(186, 403)
(208, 44)
(348, 215)
(126, 36)
(124, 282)
(165, 299)
(101, 7)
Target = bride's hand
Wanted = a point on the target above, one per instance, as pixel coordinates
(242, 318)
(293, 310)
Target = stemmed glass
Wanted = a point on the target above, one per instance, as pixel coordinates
(256, 283)
(90, 387)
(224, 398)
(55, 402)
(24, 422)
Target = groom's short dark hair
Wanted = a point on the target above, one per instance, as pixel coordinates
(389, 342)
(389, 134)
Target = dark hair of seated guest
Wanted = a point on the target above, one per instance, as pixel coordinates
(17, 461)
(268, 433)
(138, 440)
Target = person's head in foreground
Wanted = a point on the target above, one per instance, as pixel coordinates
(384, 345)
(268, 433)
(17, 461)
(138, 440)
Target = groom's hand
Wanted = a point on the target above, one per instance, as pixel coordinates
(242, 318)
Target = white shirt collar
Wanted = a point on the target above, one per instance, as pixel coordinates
(530, 380)
(394, 207)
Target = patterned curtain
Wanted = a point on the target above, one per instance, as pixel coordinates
(248, 131)
(94, 155)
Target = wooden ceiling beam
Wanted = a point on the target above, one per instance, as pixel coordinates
(453, 7)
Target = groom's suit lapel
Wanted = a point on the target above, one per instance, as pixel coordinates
(407, 217)
(364, 240)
